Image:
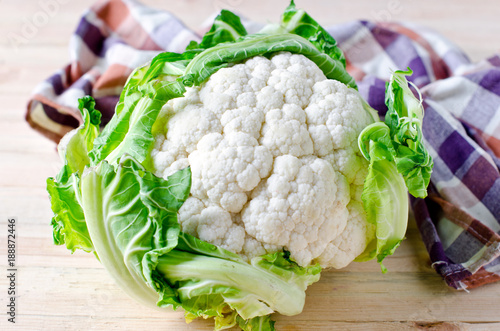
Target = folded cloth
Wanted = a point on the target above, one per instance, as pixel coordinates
(112, 39)
(459, 221)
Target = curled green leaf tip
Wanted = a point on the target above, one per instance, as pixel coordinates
(87, 102)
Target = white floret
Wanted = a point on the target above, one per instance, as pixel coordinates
(336, 107)
(190, 125)
(349, 162)
(269, 98)
(243, 119)
(294, 77)
(351, 242)
(297, 206)
(225, 167)
(221, 91)
(260, 67)
(285, 132)
(335, 121)
(212, 224)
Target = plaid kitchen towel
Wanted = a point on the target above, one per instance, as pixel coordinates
(112, 38)
(459, 221)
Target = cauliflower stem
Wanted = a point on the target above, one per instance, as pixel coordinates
(256, 289)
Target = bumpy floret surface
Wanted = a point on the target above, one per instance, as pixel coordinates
(272, 146)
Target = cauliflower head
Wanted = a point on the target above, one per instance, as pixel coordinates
(272, 146)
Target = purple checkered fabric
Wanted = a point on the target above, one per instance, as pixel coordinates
(459, 221)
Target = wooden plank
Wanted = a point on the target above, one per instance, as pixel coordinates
(71, 322)
(91, 292)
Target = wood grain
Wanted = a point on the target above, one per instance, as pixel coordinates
(61, 291)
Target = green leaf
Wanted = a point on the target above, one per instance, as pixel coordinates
(404, 119)
(385, 200)
(139, 138)
(298, 22)
(68, 224)
(399, 163)
(211, 60)
(86, 105)
(131, 131)
(132, 219)
(260, 323)
(146, 92)
(206, 283)
(227, 27)
(74, 147)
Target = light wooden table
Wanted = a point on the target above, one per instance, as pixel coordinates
(59, 291)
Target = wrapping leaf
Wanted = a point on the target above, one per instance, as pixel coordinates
(404, 119)
(399, 163)
(69, 226)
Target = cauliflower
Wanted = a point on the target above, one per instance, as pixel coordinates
(232, 174)
(272, 146)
